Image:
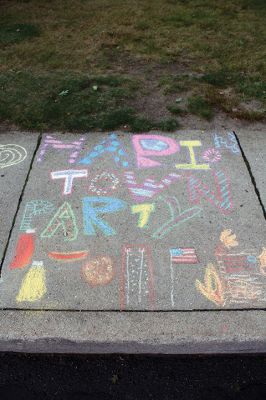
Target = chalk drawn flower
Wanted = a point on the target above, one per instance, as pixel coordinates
(262, 258)
(99, 271)
(228, 239)
(211, 155)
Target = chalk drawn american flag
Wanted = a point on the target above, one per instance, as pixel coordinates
(185, 255)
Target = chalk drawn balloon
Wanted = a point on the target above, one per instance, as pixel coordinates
(98, 272)
(11, 154)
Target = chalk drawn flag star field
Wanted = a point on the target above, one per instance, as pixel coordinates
(121, 221)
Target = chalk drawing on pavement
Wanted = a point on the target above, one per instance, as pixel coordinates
(137, 285)
(99, 271)
(11, 154)
(238, 278)
(152, 201)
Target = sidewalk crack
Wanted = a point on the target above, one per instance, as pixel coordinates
(251, 175)
(19, 201)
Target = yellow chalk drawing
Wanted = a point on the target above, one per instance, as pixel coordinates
(33, 286)
(228, 239)
(212, 287)
(144, 211)
(262, 259)
(193, 164)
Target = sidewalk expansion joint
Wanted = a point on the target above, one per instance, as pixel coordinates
(20, 200)
(251, 175)
(211, 310)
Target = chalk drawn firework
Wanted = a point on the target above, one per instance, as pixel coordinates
(11, 154)
(137, 286)
(212, 155)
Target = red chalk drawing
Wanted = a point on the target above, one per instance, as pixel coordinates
(24, 250)
(68, 257)
(221, 199)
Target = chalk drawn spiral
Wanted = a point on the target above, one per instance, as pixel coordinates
(11, 154)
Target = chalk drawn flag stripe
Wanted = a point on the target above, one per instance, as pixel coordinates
(183, 256)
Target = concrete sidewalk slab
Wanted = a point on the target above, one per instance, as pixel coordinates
(137, 222)
(253, 145)
(16, 152)
(194, 332)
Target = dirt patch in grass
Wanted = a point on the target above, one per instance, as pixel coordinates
(131, 64)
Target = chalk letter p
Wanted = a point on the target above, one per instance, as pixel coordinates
(152, 145)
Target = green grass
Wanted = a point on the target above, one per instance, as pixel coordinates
(16, 33)
(199, 106)
(53, 54)
(71, 102)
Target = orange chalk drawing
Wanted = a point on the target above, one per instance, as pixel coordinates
(24, 250)
(98, 272)
(228, 239)
(212, 287)
(262, 260)
(68, 257)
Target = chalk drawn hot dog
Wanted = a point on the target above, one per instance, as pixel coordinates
(72, 256)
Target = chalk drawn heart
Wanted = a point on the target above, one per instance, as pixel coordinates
(11, 154)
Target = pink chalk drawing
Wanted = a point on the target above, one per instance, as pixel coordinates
(152, 146)
(149, 188)
(51, 142)
(221, 199)
(104, 183)
(136, 283)
(211, 155)
(68, 176)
